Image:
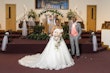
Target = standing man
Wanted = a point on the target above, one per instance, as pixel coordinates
(75, 31)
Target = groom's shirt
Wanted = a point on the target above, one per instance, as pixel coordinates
(73, 30)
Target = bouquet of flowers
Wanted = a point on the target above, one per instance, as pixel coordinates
(57, 34)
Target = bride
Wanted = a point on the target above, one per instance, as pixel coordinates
(55, 55)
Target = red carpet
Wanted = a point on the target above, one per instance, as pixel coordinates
(87, 63)
(18, 45)
(35, 46)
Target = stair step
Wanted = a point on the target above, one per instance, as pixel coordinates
(102, 48)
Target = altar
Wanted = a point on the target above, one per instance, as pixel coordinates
(105, 34)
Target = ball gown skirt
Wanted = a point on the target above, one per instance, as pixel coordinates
(51, 58)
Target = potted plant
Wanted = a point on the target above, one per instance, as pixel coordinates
(66, 30)
(38, 34)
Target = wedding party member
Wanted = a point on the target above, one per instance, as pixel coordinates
(55, 55)
(75, 31)
(50, 22)
(5, 41)
(55, 18)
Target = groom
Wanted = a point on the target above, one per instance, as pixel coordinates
(75, 31)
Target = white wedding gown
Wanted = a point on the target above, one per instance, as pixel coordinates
(51, 58)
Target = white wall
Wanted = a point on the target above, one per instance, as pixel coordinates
(2, 15)
(103, 11)
(105, 34)
(19, 9)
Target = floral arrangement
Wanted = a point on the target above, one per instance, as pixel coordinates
(32, 14)
(52, 11)
(71, 14)
(57, 34)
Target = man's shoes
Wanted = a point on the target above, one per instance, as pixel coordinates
(73, 56)
(3, 52)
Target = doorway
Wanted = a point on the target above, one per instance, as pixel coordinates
(11, 17)
(91, 17)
